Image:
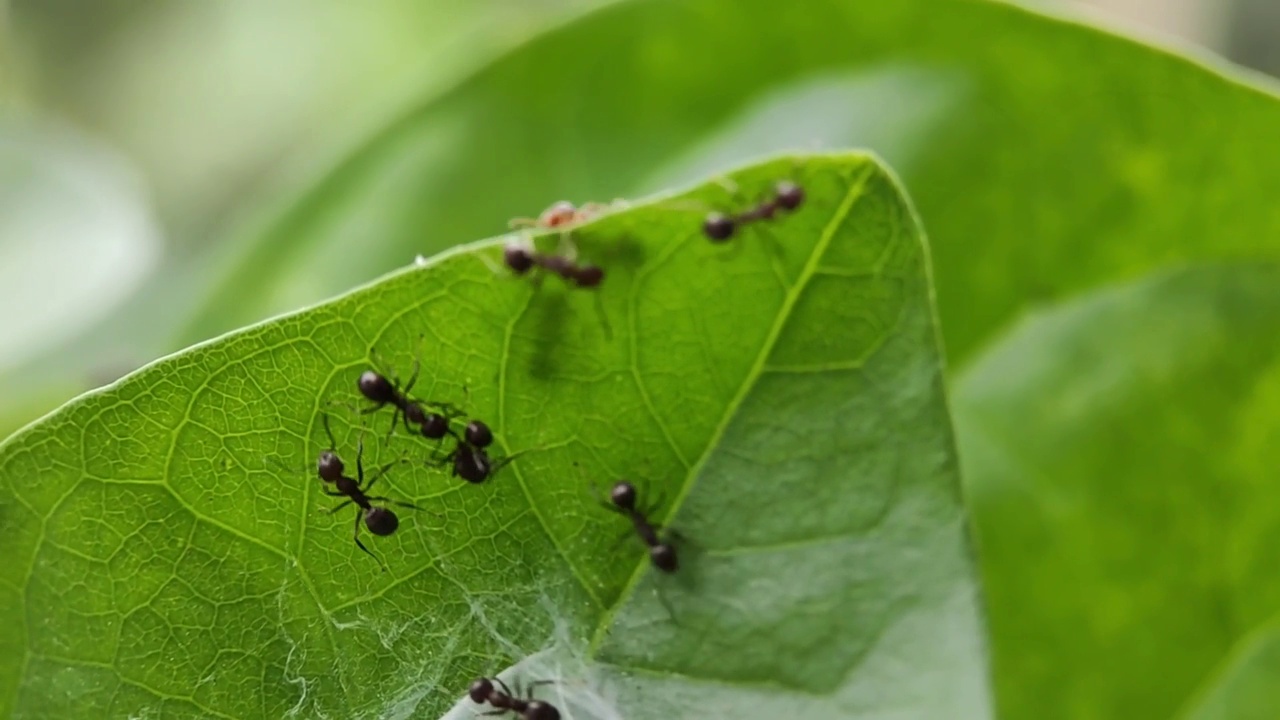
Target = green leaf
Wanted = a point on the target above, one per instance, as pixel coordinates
(783, 393)
(1246, 687)
(1120, 461)
(1046, 156)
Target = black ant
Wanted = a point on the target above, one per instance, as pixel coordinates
(787, 196)
(380, 391)
(622, 500)
(482, 691)
(520, 259)
(470, 460)
(379, 520)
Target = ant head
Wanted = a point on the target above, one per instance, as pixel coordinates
(479, 434)
(375, 387)
(588, 276)
(664, 557)
(480, 690)
(623, 495)
(561, 213)
(519, 258)
(471, 464)
(434, 426)
(718, 227)
(789, 195)
(329, 466)
(538, 710)
(381, 521)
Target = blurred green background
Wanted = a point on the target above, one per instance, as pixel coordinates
(141, 140)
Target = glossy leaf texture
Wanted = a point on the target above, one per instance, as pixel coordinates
(1046, 156)
(779, 399)
(1121, 463)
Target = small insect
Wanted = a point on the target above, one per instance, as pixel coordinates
(482, 691)
(622, 500)
(470, 459)
(787, 196)
(561, 214)
(379, 520)
(380, 391)
(520, 258)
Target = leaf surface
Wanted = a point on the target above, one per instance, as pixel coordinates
(781, 395)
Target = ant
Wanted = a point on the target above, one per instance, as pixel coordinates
(471, 461)
(622, 500)
(380, 521)
(560, 215)
(380, 391)
(787, 196)
(521, 258)
(482, 691)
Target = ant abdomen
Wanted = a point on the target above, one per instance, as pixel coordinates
(664, 557)
(381, 521)
(472, 464)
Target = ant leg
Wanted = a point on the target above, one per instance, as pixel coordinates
(594, 208)
(417, 365)
(373, 478)
(566, 246)
(528, 689)
(494, 267)
(540, 683)
(602, 499)
(395, 418)
(333, 510)
(360, 462)
(728, 185)
(497, 465)
(328, 431)
(333, 493)
(355, 535)
(682, 539)
(401, 503)
(502, 685)
(449, 410)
